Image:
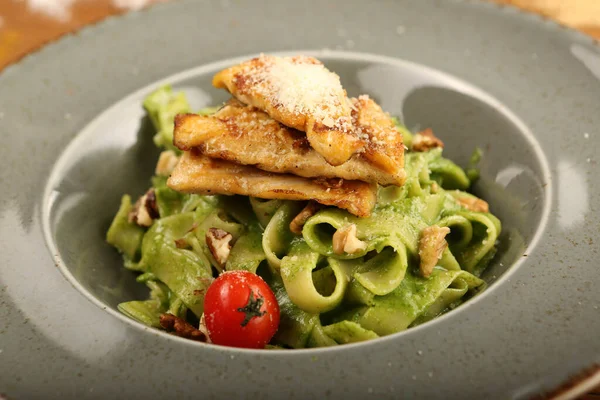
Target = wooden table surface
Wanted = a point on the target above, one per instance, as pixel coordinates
(26, 25)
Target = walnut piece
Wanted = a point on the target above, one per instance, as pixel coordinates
(219, 244)
(431, 246)
(426, 140)
(181, 328)
(299, 220)
(202, 328)
(345, 241)
(181, 243)
(473, 204)
(145, 210)
(166, 163)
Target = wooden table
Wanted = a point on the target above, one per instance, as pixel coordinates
(23, 30)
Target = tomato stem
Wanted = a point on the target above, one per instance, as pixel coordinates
(252, 309)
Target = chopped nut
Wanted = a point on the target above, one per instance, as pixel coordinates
(182, 244)
(144, 210)
(202, 328)
(166, 163)
(435, 188)
(431, 246)
(181, 328)
(219, 244)
(473, 203)
(299, 220)
(345, 241)
(426, 140)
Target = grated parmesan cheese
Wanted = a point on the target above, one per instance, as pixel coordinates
(300, 85)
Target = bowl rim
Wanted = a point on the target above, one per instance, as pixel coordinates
(523, 16)
(323, 55)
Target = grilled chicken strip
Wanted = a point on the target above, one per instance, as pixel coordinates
(301, 93)
(246, 135)
(197, 173)
(384, 148)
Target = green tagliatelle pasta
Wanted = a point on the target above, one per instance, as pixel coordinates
(326, 297)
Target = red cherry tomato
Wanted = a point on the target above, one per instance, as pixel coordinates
(240, 310)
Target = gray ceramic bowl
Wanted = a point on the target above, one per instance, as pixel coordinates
(524, 90)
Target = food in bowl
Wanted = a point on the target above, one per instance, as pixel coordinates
(294, 216)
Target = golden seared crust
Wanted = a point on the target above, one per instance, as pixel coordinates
(384, 147)
(335, 145)
(246, 135)
(202, 128)
(426, 140)
(197, 173)
(301, 93)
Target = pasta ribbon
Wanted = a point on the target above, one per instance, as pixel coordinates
(299, 280)
(344, 279)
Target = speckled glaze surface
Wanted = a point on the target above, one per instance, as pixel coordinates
(524, 89)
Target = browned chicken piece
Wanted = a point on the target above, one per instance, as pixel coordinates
(384, 148)
(426, 140)
(301, 93)
(246, 135)
(197, 173)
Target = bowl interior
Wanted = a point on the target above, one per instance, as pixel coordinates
(114, 155)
